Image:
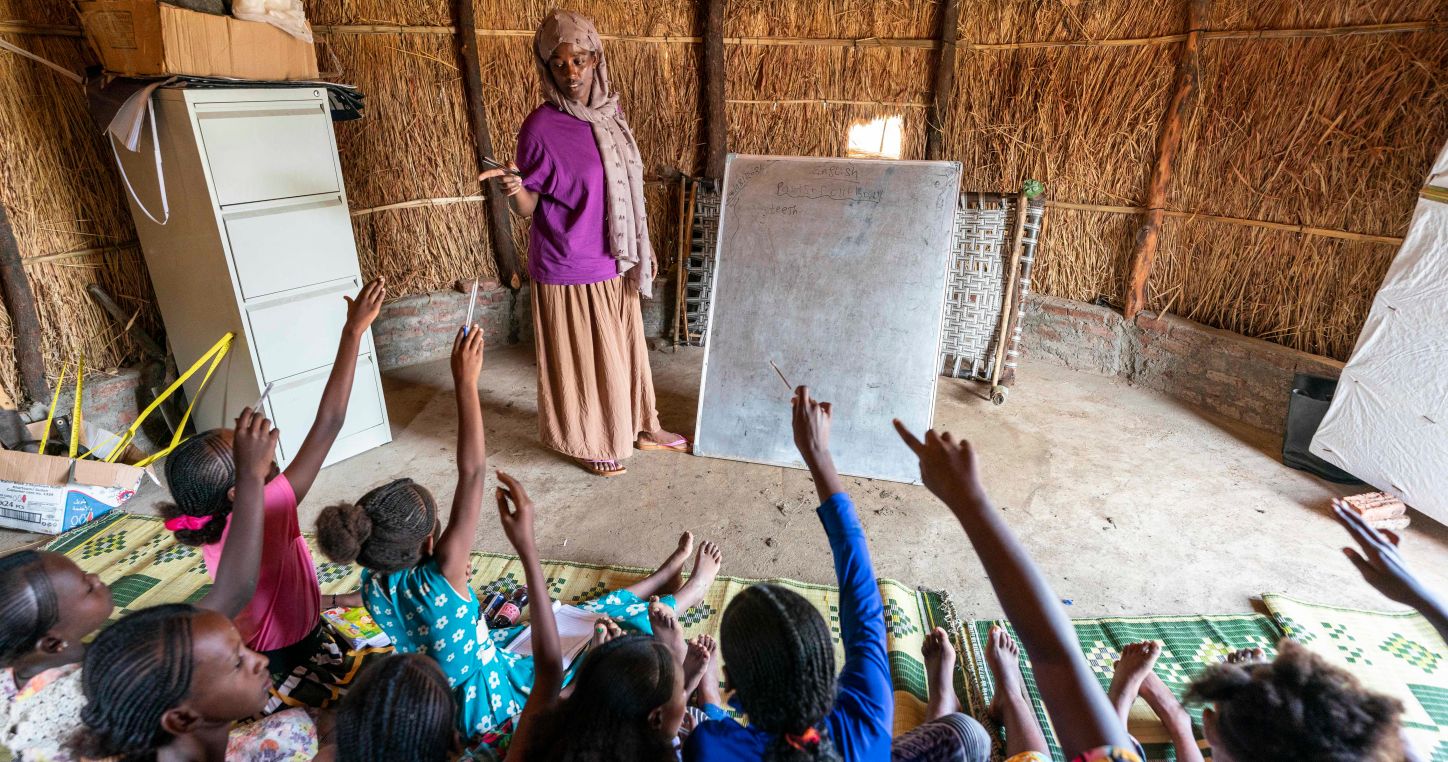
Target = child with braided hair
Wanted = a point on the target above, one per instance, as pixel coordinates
(415, 571)
(283, 619)
(777, 650)
(41, 649)
(171, 682)
(400, 708)
(41, 640)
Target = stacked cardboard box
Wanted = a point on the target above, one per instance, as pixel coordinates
(144, 38)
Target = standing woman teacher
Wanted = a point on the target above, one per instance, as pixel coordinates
(589, 255)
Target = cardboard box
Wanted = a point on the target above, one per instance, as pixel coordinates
(147, 38)
(51, 494)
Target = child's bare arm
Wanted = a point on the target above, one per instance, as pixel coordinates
(350, 600)
(456, 543)
(332, 411)
(517, 521)
(1083, 716)
(252, 446)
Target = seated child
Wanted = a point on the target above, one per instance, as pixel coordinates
(777, 650)
(171, 681)
(415, 577)
(48, 606)
(400, 708)
(41, 648)
(283, 619)
(1085, 721)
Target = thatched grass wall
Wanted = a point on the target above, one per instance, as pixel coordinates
(1298, 168)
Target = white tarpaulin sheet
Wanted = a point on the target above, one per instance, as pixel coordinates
(1388, 423)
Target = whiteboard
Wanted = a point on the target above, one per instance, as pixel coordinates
(834, 269)
(1388, 423)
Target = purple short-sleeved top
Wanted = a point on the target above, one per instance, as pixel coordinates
(560, 162)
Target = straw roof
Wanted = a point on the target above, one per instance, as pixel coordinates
(1298, 167)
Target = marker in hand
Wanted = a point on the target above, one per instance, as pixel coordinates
(472, 302)
(781, 377)
(262, 399)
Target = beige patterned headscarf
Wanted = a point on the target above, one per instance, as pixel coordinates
(623, 169)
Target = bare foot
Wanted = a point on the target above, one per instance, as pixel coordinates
(1135, 664)
(939, 674)
(1173, 717)
(1004, 661)
(1247, 656)
(604, 630)
(669, 577)
(709, 686)
(1010, 706)
(706, 567)
(696, 660)
(666, 628)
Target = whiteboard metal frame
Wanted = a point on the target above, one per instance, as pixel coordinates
(719, 265)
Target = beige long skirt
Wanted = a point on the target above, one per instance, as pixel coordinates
(595, 389)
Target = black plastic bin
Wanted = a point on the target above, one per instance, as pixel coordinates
(1308, 403)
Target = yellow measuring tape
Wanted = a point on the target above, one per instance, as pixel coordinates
(123, 440)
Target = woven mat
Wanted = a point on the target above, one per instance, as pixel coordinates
(1399, 654)
(145, 566)
(1190, 644)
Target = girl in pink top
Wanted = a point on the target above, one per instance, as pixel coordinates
(283, 620)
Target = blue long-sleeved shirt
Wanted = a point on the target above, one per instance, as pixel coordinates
(863, 715)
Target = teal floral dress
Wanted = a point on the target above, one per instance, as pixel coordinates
(422, 613)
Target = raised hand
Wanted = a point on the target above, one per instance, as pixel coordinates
(515, 512)
(363, 309)
(1379, 562)
(467, 356)
(811, 425)
(512, 184)
(947, 466)
(253, 444)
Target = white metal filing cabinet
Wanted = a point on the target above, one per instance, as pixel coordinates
(259, 242)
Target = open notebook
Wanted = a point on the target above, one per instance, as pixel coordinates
(575, 629)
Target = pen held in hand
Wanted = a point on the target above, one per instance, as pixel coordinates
(781, 376)
(472, 302)
(492, 163)
(262, 399)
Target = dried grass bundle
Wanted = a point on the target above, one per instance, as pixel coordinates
(1342, 142)
(831, 18)
(400, 12)
(1082, 120)
(1307, 292)
(1013, 21)
(769, 73)
(58, 181)
(649, 18)
(1083, 254)
(38, 12)
(1317, 14)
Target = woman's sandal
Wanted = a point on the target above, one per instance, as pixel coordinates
(602, 467)
(678, 445)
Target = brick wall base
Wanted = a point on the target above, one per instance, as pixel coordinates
(1241, 378)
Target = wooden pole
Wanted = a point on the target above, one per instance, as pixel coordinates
(716, 137)
(1167, 142)
(24, 319)
(944, 81)
(500, 221)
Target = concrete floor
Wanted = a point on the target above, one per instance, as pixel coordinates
(1132, 502)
